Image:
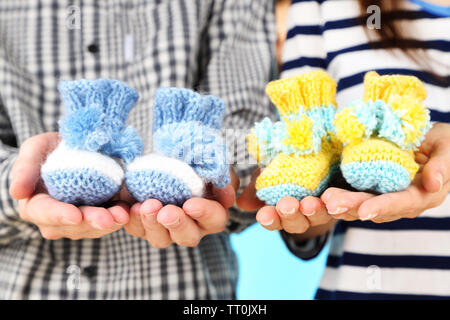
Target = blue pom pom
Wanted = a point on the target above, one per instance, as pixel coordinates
(96, 113)
(199, 146)
(127, 145)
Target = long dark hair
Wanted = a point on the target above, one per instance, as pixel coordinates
(392, 36)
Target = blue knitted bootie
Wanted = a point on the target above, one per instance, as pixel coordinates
(188, 149)
(84, 168)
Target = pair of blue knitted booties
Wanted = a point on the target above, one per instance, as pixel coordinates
(86, 168)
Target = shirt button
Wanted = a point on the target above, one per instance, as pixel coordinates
(90, 271)
(93, 48)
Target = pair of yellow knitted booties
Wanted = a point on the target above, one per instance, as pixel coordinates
(372, 140)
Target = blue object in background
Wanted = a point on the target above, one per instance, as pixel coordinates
(267, 270)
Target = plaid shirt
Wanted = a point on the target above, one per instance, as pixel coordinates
(221, 47)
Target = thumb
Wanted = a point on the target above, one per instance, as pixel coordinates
(26, 170)
(436, 172)
(248, 200)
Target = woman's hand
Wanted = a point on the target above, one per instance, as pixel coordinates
(163, 225)
(308, 217)
(57, 219)
(428, 190)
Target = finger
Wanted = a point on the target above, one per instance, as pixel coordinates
(183, 230)
(42, 209)
(436, 172)
(390, 206)
(340, 201)
(225, 196)
(98, 218)
(135, 225)
(314, 210)
(26, 169)
(155, 233)
(292, 220)
(120, 213)
(248, 200)
(210, 215)
(268, 217)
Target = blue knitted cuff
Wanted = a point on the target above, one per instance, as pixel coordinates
(175, 105)
(199, 146)
(96, 113)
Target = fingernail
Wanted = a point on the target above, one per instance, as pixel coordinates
(338, 210)
(309, 214)
(267, 223)
(369, 217)
(287, 212)
(149, 216)
(169, 219)
(440, 179)
(195, 214)
(95, 225)
(64, 220)
(173, 224)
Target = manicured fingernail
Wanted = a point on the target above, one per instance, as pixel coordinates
(66, 221)
(266, 223)
(309, 214)
(338, 210)
(287, 212)
(440, 179)
(369, 217)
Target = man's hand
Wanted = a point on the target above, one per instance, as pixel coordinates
(163, 225)
(428, 190)
(308, 216)
(57, 219)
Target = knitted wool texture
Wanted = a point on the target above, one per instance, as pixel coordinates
(188, 149)
(381, 132)
(301, 150)
(81, 170)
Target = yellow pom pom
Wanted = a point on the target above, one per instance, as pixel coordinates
(299, 133)
(378, 87)
(348, 128)
(308, 90)
(414, 115)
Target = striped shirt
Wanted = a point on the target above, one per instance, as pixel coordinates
(224, 47)
(405, 258)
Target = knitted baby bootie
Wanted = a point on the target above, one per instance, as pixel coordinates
(300, 151)
(188, 149)
(82, 169)
(381, 133)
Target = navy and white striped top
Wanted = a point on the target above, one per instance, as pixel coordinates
(405, 258)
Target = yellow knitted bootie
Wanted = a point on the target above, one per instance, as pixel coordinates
(299, 152)
(381, 133)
